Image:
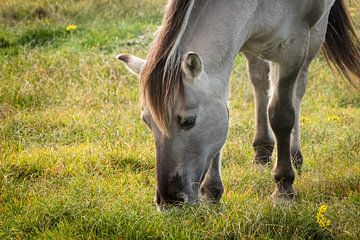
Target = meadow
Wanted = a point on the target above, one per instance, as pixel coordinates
(76, 161)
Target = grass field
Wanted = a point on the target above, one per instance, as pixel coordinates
(76, 162)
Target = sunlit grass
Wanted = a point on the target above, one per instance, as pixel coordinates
(76, 162)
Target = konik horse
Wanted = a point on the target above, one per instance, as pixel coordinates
(184, 84)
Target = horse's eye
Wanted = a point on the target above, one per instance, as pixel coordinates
(186, 123)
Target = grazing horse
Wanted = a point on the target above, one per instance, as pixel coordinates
(184, 84)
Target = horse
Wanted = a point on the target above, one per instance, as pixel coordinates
(184, 85)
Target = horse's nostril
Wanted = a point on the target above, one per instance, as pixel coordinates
(179, 199)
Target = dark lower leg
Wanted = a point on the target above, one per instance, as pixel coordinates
(282, 116)
(211, 188)
(284, 173)
(263, 142)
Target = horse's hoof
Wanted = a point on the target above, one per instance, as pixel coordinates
(263, 155)
(288, 195)
(297, 161)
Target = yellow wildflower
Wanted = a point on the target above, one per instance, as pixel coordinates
(321, 218)
(71, 28)
(334, 118)
(305, 120)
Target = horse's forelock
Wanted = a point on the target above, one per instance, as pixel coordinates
(161, 79)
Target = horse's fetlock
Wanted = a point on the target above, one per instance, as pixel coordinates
(284, 177)
(263, 154)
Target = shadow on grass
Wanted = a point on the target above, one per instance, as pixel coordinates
(42, 36)
(349, 101)
(21, 172)
(4, 43)
(131, 163)
(32, 38)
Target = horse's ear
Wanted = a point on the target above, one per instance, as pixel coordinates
(134, 64)
(192, 66)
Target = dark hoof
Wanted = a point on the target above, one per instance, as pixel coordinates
(297, 161)
(211, 194)
(263, 155)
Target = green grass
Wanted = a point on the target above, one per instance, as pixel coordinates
(76, 162)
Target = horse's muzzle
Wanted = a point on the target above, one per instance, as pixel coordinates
(177, 200)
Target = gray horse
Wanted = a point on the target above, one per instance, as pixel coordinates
(184, 84)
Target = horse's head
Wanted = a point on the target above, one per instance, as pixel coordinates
(196, 131)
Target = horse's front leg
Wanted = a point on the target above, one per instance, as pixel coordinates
(263, 143)
(295, 148)
(211, 187)
(284, 70)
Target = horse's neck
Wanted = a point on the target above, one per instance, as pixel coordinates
(217, 31)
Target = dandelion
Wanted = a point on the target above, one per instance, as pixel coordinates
(305, 120)
(334, 118)
(71, 28)
(321, 218)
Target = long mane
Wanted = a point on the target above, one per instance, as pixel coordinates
(161, 78)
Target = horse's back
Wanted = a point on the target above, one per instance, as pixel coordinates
(277, 22)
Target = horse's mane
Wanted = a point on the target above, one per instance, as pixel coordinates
(161, 79)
